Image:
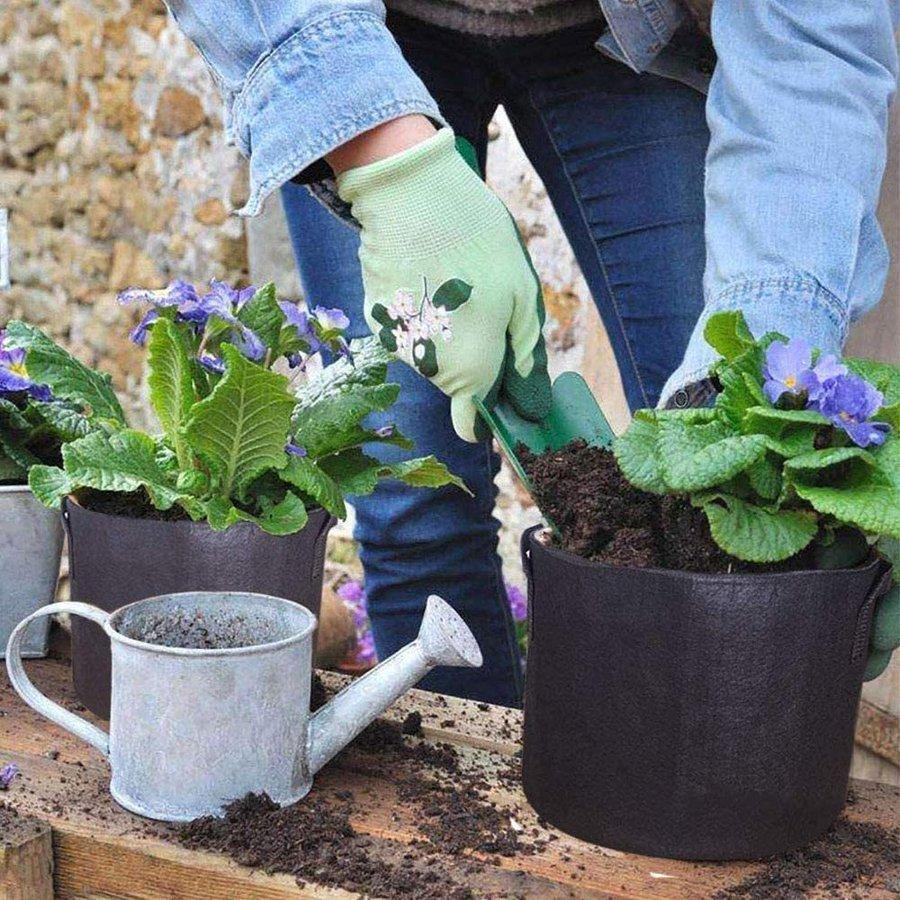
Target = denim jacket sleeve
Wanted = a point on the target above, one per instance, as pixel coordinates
(798, 116)
(300, 78)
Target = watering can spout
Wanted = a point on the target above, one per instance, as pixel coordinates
(443, 640)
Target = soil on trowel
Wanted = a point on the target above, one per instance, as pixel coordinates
(135, 505)
(849, 858)
(315, 839)
(602, 517)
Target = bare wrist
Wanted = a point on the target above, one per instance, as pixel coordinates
(382, 141)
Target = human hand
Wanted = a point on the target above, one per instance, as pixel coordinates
(449, 285)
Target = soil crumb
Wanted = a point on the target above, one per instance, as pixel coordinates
(851, 856)
(14, 827)
(602, 517)
(192, 630)
(135, 505)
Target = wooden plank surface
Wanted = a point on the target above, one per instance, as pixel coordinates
(103, 851)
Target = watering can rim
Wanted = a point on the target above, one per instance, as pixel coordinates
(228, 652)
(14, 489)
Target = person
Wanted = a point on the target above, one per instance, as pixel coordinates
(760, 196)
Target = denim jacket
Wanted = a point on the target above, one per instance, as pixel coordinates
(797, 108)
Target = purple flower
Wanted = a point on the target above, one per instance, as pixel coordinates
(176, 294)
(849, 401)
(235, 298)
(14, 376)
(7, 773)
(385, 431)
(140, 332)
(353, 592)
(788, 369)
(211, 363)
(518, 602)
(330, 319)
(295, 449)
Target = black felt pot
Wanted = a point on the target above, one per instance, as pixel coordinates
(115, 560)
(692, 716)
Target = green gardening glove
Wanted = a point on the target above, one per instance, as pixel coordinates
(449, 285)
(885, 636)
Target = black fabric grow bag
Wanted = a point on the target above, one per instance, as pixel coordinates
(692, 716)
(115, 560)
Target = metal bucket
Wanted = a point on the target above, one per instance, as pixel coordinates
(31, 538)
(194, 727)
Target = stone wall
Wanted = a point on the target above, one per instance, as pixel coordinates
(113, 167)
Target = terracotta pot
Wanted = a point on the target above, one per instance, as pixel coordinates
(31, 539)
(692, 716)
(116, 560)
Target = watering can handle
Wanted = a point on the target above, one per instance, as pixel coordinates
(32, 696)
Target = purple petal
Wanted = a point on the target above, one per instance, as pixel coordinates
(787, 360)
(297, 317)
(828, 367)
(140, 332)
(352, 591)
(295, 449)
(176, 293)
(773, 390)
(211, 363)
(866, 434)
(518, 602)
(385, 431)
(7, 773)
(331, 319)
(249, 343)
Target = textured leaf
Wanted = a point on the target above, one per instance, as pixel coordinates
(818, 460)
(891, 415)
(727, 333)
(758, 417)
(170, 383)
(14, 446)
(285, 517)
(68, 379)
(262, 315)
(122, 461)
(883, 375)
(635, 451)
(369, 367)
(333, 423)
(11, 471)
(452, 294)
(756, 534)
(241, 428)
(741, 389)
(66, 421)
(696, 457)
(765, 477)
(868, 495)
(49, 484)
(305, 475)
(425, 471)
(12, 417)
(359, 474)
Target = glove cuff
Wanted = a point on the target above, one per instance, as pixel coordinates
(421, 201)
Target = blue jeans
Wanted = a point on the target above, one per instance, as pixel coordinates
(622, 157)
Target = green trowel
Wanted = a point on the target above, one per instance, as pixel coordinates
(574, 413)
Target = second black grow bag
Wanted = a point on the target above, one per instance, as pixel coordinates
(115, 560)
(692, 716)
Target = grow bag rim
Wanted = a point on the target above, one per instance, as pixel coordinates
(206, 653)
(176, 523)
(872, 560)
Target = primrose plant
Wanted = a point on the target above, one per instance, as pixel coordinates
(238, 442)
(38, 412)
(800, 447)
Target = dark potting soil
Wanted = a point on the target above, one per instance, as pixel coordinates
(602, 517)
(135, 505)
(191, 630)
(315, 838)
(849, 856)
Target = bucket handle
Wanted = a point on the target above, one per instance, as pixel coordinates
(864, 617)
(32, 696)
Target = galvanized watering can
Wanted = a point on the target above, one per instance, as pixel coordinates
(195, 726)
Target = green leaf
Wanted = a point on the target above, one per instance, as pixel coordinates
(170, 383)
(65, 420)
(49, 484)
(755, 533)
(68, 379)
(741, 389)
(696, 457)
(727, 333)
(758, 417)
(11, 471)
(14, 446)
(426, 471)
(819, 460)
(425, 357)
(452, 294)
(12, 417)
(765, 477)
(635, 451)
(305, 475)
(333, 423)
(868, 495)
(883, 375)
(241, 428)
(369, 367)
(889, 414)
(122, 461)
(262, 315)
(285, 517)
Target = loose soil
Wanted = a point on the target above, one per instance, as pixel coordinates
(135, 505)
(602, 517)
(315, 839)
(851, 855)
(191, 630)
(16, 828)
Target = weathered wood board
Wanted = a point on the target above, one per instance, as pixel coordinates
(102, 851)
